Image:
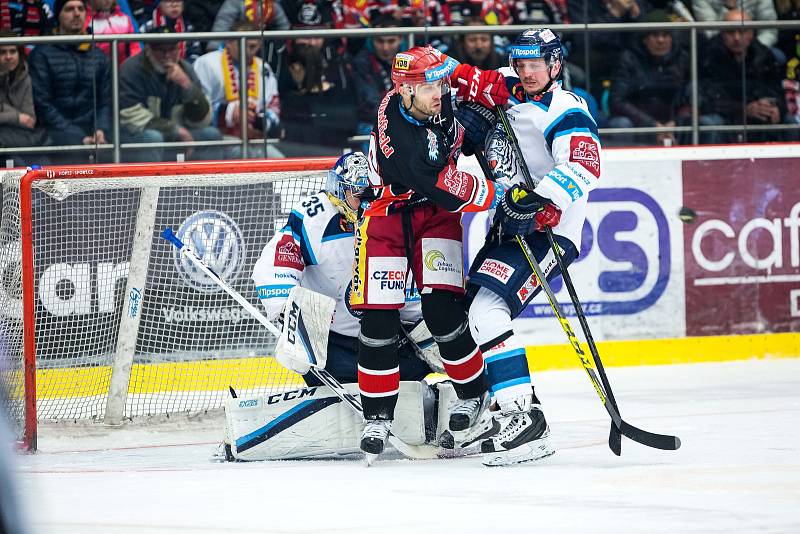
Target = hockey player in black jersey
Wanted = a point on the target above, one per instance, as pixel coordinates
(414, 224)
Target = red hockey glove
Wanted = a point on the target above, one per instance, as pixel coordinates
(549, 216)
(486, 87)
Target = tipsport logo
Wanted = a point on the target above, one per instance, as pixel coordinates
(629, 232)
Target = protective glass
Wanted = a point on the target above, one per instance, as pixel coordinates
(439, 87)
(529, 65)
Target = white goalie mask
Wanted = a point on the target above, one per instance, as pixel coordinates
(502, 160)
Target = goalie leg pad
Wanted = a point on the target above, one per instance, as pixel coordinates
(312, 421)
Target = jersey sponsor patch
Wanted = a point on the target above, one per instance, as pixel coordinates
(527, 289)
(386, 280)
(287, 254)
(497, 269)
(455, 182)
(442, 261)
(402, 61)
(584, 150)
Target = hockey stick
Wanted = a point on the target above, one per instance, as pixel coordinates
(411, 451)
(619, 426)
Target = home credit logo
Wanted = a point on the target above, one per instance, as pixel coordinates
(742, 251)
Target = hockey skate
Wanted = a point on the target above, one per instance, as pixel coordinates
(524, 437)
(374, 436)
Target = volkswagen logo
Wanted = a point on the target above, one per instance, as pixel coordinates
(217, 239)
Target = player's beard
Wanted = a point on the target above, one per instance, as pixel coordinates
(431, 109)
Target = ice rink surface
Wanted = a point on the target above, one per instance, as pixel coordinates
(737, 471)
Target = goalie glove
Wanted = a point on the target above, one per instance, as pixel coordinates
(522, 212)
(304, 338)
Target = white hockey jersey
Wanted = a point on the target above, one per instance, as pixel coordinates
(559, 141)
(315, 250)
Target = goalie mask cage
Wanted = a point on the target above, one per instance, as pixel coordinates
(105, 321)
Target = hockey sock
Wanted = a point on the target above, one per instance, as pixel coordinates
(506, 364)
(378, 363)
(461, 357)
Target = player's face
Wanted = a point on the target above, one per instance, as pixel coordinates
(351, 200)
(428, 97)
(534, 74)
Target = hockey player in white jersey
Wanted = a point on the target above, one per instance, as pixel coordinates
(315, 250)
(560, 144)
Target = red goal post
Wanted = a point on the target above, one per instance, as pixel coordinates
(101, 319)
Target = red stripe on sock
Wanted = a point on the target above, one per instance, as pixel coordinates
(466, 370)
(378, 384)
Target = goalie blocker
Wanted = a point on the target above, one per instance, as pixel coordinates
(312, 421)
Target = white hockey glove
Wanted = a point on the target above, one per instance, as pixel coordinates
(426, 348)
(304, 338)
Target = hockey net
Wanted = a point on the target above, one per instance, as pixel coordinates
(103, 320)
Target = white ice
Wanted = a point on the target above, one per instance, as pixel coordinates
(737, 471)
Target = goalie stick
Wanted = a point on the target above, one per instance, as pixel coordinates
(419, 452)
(619, 426)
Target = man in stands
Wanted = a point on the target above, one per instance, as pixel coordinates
(218, 72)
(315, 82)
(649, 83)
(721, 83)
(161, 99)
(170, 13)
(477, 48)
(72, 85)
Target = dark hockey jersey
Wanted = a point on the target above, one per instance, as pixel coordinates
(412, 161)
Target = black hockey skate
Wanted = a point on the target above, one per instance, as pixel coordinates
(524, 437)
(374, 436)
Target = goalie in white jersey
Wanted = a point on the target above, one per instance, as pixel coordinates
(315, 250)
(559, 141)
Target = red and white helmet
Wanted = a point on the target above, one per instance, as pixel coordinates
(421, 64)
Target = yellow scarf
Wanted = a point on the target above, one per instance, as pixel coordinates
(232, 80)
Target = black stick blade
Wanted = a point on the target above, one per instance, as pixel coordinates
(657, 441)
(615, 440)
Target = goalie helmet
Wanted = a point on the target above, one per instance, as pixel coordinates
(421, 64)
(536, 43)
(349, 174)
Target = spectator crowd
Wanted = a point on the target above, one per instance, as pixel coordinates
(313, 95)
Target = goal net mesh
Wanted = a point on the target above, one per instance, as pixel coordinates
(191, 341)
